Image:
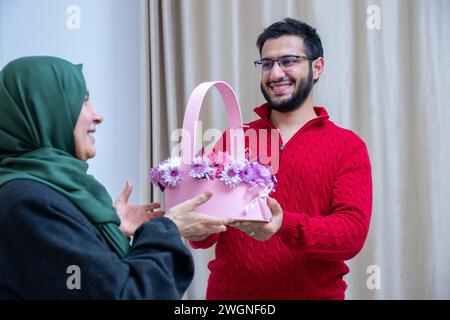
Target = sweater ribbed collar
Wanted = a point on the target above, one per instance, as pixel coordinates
(263, 111)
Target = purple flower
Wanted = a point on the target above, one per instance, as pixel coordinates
(231, 173)
(247, 175)
(172, 177)
(261, 175)
(155, 177)
(170, 172)
(201, 169)
(210, 166)
(274, 182)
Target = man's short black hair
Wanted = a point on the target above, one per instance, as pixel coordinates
(289, 26)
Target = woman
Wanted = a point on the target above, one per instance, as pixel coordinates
(60, 236)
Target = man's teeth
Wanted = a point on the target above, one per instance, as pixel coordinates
(280, 86)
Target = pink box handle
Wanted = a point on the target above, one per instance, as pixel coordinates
(192, 113)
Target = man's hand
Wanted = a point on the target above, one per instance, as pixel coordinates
(196, 226)
(261, 230)
(132, 216)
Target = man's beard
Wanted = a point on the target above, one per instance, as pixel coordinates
(297, 99)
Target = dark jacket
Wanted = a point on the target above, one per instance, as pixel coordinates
(49, 250)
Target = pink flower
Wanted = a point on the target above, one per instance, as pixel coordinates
(201, 169)
(262, 175)
(247, 173)
(170, 172)
(231, 173)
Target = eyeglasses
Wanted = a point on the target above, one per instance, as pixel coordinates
(285, 62)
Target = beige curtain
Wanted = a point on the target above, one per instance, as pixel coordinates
(391, 85)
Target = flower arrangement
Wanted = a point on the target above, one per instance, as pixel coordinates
(169, 174)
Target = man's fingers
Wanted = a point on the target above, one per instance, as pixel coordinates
(274, 206)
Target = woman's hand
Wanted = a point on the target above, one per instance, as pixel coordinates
(196, 226)
(262, 230)
(132, 216)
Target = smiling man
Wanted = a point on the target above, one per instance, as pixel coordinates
(324, 186)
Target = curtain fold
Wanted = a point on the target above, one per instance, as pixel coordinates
(390, 86)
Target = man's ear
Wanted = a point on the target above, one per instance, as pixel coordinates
(317, 67)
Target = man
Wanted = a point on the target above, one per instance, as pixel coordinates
(324, 186)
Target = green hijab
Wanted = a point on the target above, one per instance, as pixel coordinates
(40, 102)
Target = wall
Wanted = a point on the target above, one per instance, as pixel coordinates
(107, 43)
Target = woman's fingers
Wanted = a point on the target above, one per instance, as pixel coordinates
(125, 195)
(155, 214)
(152, 206)
(212, 221)
(192, 204)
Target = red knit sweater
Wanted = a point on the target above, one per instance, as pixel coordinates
(325, 190)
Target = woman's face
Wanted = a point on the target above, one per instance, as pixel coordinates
(84, 131)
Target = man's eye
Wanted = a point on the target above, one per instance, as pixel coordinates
(288, 61)
(267, 64)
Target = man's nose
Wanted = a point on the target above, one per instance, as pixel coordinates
(276, 72)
